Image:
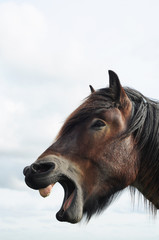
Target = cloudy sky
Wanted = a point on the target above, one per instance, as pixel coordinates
(50, 51)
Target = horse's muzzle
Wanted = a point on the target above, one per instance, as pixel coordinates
(46, 171)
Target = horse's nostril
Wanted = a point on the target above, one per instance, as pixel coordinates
(42, 167)
(38, 168)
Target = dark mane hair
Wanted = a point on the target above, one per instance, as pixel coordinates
(144, 125)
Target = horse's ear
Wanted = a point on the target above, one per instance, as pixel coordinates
(92, 89)
(117, 90)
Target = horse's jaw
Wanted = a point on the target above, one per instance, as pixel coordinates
(67, 175)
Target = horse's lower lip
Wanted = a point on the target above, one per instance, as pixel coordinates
(63, 214)
(67, 211)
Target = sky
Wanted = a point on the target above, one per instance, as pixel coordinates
(50, 52)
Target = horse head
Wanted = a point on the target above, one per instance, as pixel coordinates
(94, 155)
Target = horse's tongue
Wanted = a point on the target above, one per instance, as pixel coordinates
(44, 192)
(68, 202)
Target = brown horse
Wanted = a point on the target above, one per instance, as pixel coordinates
(108, 143)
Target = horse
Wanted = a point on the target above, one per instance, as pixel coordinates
(110, 142)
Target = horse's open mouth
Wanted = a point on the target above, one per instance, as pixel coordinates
(68, 211)
(43, 177)
(70, 194)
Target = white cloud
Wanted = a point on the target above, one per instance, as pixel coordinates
(10, 111)
(30, 43)
(23, 29)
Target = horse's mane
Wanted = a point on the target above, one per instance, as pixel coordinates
(144, 125)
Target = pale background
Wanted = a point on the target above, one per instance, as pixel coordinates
(50, 51)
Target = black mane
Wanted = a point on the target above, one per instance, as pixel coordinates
(144, 125)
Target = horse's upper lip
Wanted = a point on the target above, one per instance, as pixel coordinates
(37, 176)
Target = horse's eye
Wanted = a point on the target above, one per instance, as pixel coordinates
(98, 124)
